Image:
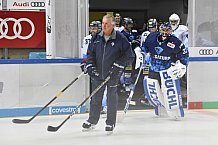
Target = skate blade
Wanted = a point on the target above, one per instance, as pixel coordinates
(88, 129)
(109, 132)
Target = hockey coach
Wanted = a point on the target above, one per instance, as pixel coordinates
(109, 52)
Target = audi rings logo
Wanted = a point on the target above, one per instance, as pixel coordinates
(37, 4)
(17, 28)
(206, 51)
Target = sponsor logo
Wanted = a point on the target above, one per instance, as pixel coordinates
(153, 94)
(63, 110)
(28, 4)
(48, 24)
(158, 50)
(37, 4)
(206, 52)
(17, 28)
(170, 91)
(162, 57)
(171, 45)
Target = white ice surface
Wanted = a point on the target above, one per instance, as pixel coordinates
(199, 127)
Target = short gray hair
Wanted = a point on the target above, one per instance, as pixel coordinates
(109, 16)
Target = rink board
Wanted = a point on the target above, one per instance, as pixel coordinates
(31, 84)
(202, 78)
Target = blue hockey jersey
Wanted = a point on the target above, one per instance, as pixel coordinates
(164, 52)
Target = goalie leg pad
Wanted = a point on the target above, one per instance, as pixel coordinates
(153, 92)
(172, 95)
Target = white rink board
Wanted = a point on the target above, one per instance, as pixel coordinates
(34, 85)
(202, 81)
(202, 73)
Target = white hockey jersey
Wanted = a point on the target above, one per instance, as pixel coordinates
(144, 37)
(86, 41)
(181, 32)
(119, 28)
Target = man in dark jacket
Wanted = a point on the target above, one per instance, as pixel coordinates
(108, 54)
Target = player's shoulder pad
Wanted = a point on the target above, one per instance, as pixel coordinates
(183, 27)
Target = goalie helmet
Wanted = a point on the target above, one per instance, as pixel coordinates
(165, 29)
(174, 21)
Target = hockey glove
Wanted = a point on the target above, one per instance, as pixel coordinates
(116, 70)
(177, 70)
(92, 71)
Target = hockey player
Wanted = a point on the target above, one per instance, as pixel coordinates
(168, 61)
(108, 54)
(131, 35)
(118, 26)
(180, 31)
(151, 27)
(94, 27)
(128, 29)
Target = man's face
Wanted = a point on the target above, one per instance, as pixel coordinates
(129, 27)
(165, 32)
(93, 30)
(117, 20)
(107, 26)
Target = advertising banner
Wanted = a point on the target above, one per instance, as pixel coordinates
(203, 51)
(22, 29)
(25, 4)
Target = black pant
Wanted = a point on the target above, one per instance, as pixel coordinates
(154, 75)
(112, 101)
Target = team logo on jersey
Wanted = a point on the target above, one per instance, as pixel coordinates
(171, 45)
(112, 43)
(158, 50)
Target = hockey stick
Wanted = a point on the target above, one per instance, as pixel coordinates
(132, 92)
(54, 129)
(22, 121)
(129, 99)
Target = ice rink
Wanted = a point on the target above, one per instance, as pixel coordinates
(199, 127)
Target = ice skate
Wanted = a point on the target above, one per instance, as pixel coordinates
(109, 129)
(87, 126)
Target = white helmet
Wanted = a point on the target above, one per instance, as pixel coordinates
(174, 21)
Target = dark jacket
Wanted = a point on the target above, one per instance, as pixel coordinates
(102, 54)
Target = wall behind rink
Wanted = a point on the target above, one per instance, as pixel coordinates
(29, 85)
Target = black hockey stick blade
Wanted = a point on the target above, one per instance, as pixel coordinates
(54, 129)
(21, 121)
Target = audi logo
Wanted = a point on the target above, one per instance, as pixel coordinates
(37, 4)
(206, 51)
(17, 28)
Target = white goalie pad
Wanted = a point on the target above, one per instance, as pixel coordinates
(139, 57)
(153, 92)
(172, 95)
